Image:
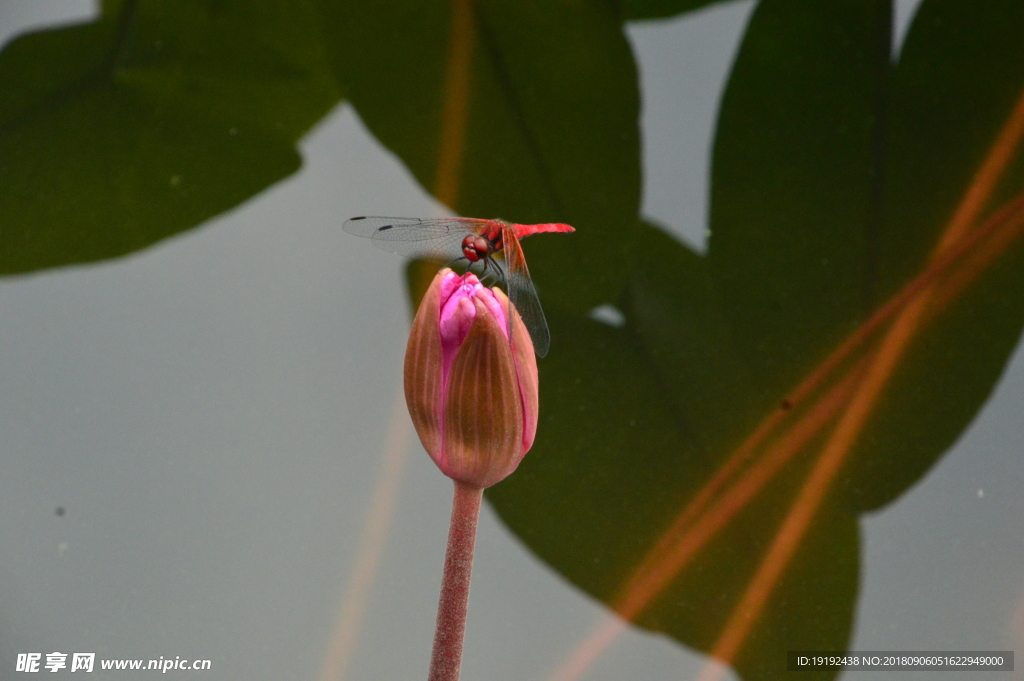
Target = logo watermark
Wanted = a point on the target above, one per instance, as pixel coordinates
(86, 662)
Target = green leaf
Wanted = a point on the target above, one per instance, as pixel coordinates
(793, 200)
(255, 65)
(607, 476)
(157, 117)
(110, 173)
(960, 74)
(567, 498)
(835, 173)
(676, 314)
(550, 129)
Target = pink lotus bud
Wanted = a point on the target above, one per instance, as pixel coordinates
(471, 393)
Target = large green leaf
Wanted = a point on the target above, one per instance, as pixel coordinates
(728, 335)
(257, 66)
(155, 118)
(835, 172)
(551, 121)
(566, 505)
(792, 201)
(630, 433)
(960, 75)
(112, 172)
(676, 313)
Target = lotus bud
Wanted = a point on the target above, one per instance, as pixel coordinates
(471, 391)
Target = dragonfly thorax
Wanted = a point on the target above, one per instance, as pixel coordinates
(476, 247)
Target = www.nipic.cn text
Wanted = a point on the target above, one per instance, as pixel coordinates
(86, 662)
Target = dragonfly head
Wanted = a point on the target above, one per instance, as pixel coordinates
(476, 247)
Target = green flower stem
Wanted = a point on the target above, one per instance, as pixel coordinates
(446, 660)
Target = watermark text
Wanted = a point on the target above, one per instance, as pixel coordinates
(86, 662)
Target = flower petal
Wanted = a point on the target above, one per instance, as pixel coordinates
(423, 375)
(456, 319)
(526, 371)
(483, 420)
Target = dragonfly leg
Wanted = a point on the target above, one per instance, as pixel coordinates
(459, 260)
(497, 273)
(491, 271)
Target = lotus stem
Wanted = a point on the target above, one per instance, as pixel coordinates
(446, 660)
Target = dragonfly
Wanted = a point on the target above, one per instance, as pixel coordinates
(494, 243)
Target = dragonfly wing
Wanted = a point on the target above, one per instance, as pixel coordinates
(523, 294)
(437, 239)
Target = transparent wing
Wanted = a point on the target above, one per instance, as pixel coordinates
(437, 239)
(523, 294)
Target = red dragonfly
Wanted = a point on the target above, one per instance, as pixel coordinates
(495, 243)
